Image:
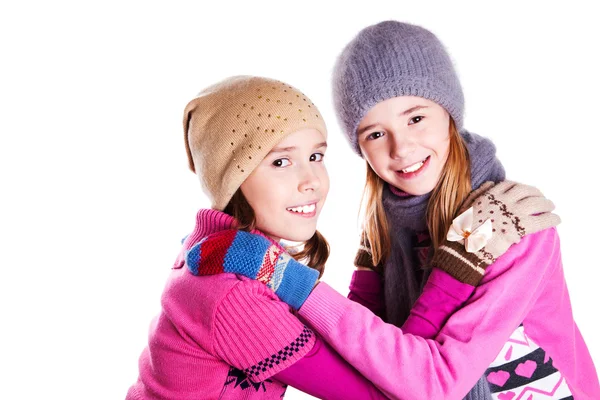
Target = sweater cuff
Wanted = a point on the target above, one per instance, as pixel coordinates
(453, 287)
(365, 282)
(324, 308)
(452, 258)
(297, 283)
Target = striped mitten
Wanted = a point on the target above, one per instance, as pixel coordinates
(256, 257)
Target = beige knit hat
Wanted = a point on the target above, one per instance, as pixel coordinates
(231, 126)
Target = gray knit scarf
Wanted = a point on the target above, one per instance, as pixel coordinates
(406, 216)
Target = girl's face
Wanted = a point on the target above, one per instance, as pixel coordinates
(406, 140)
(289, 187)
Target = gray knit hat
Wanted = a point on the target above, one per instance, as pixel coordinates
(392, 59)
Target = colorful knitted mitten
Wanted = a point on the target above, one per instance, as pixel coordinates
(256, 257)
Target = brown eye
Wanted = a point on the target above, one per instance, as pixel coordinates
(375, 135)
(317, 157)
(281, 162)
(415, 120)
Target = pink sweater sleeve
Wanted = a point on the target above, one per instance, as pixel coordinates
(366, 288)
(407, 366)
(324, 374)
(442, 296)
(255, 332)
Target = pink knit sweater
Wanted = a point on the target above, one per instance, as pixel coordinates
(220, 336)
(226, 336)
(526, 285)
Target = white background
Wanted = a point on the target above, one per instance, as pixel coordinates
(95, 191)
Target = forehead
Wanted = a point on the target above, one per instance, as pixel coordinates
(395, 106)
(302, 138)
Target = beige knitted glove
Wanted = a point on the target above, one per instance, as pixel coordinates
(492, 219)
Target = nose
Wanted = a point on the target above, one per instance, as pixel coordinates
(309, 179)
(401, 146)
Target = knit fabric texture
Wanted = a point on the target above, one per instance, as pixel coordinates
(221, 336)
(392, 59)
(256, 257)
(231, 126)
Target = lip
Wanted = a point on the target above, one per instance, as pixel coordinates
(305, 215)
(413, 163)
(415, 174)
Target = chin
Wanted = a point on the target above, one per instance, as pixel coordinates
(420, 191)
(298, 235)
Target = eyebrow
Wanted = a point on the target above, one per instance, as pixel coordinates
(292, 148)
(401, 114)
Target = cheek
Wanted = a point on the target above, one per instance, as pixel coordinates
(265, 205)
(368, 149)
(256, 192)
(324, 182)
(377, 168)
(438, 141)
(273, 198)
(374, 156)
(444, 147)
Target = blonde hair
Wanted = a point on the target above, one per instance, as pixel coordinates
(315, 251)
(446, 198)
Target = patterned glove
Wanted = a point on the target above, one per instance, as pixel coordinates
(256, 257)
(492, 219)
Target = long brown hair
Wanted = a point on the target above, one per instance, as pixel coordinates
(446, 198)
(452, 189)
(315, 251)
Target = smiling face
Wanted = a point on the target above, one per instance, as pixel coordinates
(289, 187)
(406, 141)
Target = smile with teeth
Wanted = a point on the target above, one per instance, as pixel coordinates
(414, 167)
(307, 209)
